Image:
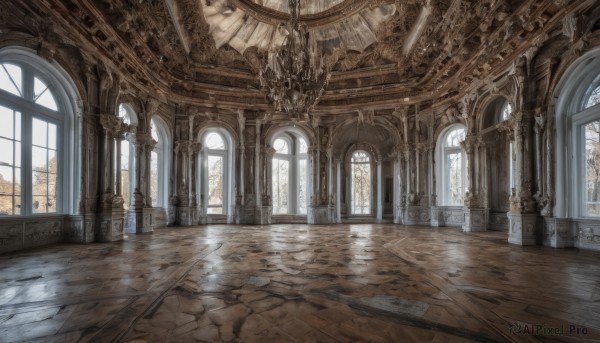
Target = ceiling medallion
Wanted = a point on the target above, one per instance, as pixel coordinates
(295, 76)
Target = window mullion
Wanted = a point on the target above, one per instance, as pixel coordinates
(26, 163)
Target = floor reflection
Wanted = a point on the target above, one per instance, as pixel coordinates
(366, 282)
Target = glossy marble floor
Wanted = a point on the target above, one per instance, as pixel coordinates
(285, 283)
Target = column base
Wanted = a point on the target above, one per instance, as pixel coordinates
(187, 216)
(110, 226)
(522, 228)
(140, 221)
(262, 215)
(476, 219)
(559, 233)
(436, 218)
(417, 215)
(320, 215)
(80, 228)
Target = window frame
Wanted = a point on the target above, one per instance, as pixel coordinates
(162, 149)
(370, 163)
(579, 121)
(228, 168)
(442, 160)
(294, 157)
(31, 68)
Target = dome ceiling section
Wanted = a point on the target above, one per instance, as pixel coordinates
(306, 6)
(232, 26)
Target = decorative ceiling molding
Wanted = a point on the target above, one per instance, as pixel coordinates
(352, 28)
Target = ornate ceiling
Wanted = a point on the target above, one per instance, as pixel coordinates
(207, 53)
(251, 24)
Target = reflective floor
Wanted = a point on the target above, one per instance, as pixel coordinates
(284, 283)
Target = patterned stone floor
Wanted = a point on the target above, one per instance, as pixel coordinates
(285, 283)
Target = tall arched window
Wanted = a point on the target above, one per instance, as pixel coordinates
(360, 185)
(290, 174)
(452, 166)
(505, 114)
(36, 136)
(128, 116)
(578, 139)
(216, 172)
(159, 162)
(586, 123)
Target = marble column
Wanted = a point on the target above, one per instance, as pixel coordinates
(476, 216)
(139, 214)
(187, 211)
(523, 217)
(111, 218)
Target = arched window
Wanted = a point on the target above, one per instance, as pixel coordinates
(126, 113)
(578, 139)
(216, 172)
(452, 166)
(507, 111)
(586, 124)
(160, 162)
(290, 174)
(360, 185)
(37, 136)
(505, 114)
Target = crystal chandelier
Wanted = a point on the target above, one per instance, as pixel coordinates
(293, 76)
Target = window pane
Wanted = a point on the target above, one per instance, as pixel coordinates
(154, 177)
(17, 154)
(280, 190)
(281, 146)
(153, 131)
(303, 146)
(52, 161)
(11, 79)
(6, 152)
(6, 205)
(125, 173)
(18, 125)
(454, 137)
(361, 187)
(38, 159)
(52, 136)
(594, 98)
(507, 112)
(7, 122)
(39, 204)
(360, 156)
(42, 95)
(215, 180)
(124, 114)
(592, 170)
(39, 133)
(302, 188)
(6, 180)
(214, 141)
(454, 191)
(9, 187)
(52, 185)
